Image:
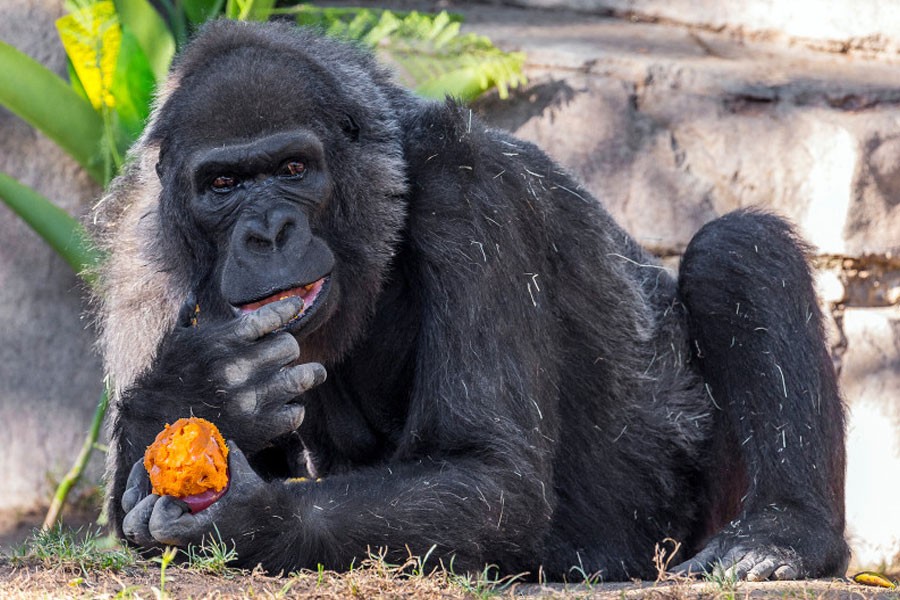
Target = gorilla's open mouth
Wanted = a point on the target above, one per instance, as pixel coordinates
(309, 293)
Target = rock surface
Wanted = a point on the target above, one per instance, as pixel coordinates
(687, 125)
(871, 25)
(871, 382)
(50, 379)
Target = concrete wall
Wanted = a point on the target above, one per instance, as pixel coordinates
(869, 25)
(50, 380)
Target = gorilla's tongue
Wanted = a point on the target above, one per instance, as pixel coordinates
(307, 293)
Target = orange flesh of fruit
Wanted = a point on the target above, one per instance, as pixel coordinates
(187, 458)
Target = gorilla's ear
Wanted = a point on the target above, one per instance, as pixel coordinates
(350, 128)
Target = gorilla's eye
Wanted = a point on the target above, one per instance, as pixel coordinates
(292, 169)
(223, 184)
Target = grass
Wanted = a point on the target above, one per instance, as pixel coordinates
(80, 550)
(164, 560)
(726, 583)
(212, 556)
(61, 563)
(486, 584)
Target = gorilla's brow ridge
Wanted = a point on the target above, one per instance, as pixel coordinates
(258, 156)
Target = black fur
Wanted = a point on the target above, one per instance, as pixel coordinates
(510, 377)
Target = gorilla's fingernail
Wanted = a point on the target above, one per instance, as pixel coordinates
(319, 374)
(297, 414)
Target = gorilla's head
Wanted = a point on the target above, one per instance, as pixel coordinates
(281, 174)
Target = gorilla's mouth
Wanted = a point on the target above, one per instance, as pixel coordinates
(309, 293)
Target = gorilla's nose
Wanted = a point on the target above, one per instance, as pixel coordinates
(273, 232)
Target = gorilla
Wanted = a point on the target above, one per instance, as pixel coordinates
(511, 379)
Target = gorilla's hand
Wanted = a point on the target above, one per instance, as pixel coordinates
(237, 374)
(152, 520)
(757, 547)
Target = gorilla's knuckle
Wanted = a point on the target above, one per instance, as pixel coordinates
(237, 372)
(249, 327)
(301, 378)
(246, 402)
(283, 348)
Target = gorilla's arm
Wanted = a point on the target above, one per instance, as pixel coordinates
(285, 525)
(472, 475)
(234, 374)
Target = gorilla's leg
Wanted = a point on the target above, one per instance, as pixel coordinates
(757, 332)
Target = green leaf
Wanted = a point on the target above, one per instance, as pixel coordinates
(200, 11)
(38, 96)
(132, 87)
(249, 10)
(438, 61)
(469, 76)
(431, 54)
(151, 32)
(56, 226)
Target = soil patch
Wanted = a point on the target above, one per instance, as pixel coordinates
(374, 580)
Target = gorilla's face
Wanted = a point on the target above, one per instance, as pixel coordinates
(286, 187)
(256, 200)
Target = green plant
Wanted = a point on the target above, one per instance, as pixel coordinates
(417, 563)
(486, 584)
(57, 227)
(79, 549)
(589, 580)
(725, 580)
(211, 556)
(164, 560)
(74, 474)
(320, 575)
(432, 55)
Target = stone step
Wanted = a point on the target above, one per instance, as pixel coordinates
(671, 126)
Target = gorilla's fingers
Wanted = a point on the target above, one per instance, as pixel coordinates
(268, 354)
(237, 372)
(293, 381)
(239, 466)
(785, 572)
(289, 418)
(137, 487)
(172, 523)
(272, 395)
(761, 571)
(698, 565)
(135, 526)
(267, 319)
(738, 569)
(278, 350)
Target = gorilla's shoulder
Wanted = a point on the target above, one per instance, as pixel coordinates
(448, 134)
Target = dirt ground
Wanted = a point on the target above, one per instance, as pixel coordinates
(33, 577)
(145, 579)
(144, 582)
